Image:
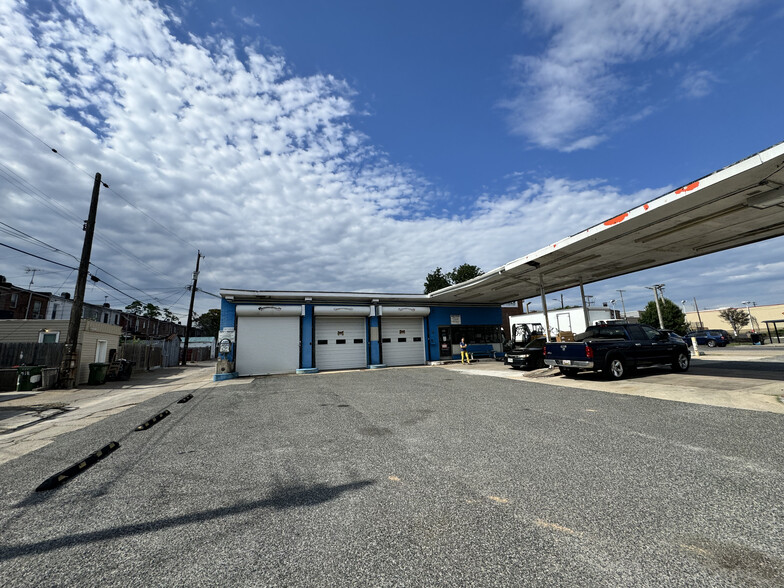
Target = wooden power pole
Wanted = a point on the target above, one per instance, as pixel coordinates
(70, 360)
(190, 310)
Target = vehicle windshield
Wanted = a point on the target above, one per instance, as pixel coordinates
(539, 342)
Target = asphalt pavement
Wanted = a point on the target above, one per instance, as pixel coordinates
(402, 477)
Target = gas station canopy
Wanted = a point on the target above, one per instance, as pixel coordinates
(738, 205)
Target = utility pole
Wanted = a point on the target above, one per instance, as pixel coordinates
(190, 310)
(699, 318)
(71, 355)
(622, 304)
(656, 288)
(30, 291)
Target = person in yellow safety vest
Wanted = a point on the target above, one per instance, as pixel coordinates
(464, 357)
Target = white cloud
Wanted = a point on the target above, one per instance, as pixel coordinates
(698, 84)
(257, 167)
(581, 78)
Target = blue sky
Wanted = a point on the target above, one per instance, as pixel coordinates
(352, 145)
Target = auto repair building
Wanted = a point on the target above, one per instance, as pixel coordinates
(283, 332)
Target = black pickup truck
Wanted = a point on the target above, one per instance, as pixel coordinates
(616, 350)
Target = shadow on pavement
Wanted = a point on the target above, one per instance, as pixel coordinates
(283, 499)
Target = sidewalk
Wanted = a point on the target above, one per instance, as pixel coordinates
(740, 390)
(37, 418)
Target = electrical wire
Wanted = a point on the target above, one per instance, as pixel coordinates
(131, 204)
(38, 256)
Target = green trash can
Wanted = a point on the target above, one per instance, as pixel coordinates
(28, 377)
(97, 373)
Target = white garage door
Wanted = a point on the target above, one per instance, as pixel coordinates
(402, 340)
(340, 342)
(267, 345)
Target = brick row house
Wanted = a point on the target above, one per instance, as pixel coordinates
(20, 303)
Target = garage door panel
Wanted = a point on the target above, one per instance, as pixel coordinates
(340, 343)
(267, 345)
(403, 341)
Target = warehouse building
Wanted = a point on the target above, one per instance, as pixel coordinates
(286, 332)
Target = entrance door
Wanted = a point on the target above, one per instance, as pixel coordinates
(445, 342)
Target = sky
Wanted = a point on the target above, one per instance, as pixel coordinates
(356, 146)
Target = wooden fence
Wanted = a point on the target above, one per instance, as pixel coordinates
(150, 355)
(48, 354)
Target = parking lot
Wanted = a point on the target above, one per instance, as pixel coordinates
(405, 477)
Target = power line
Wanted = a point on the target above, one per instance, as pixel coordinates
(39, 194)
(105, 185)
(37, 256)
(16, 232)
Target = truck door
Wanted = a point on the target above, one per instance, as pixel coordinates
(640, 351)
(661, 350)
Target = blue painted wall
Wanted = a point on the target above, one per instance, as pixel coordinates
(441, 317)
(306, 339)
(227, 317)
(375, 346)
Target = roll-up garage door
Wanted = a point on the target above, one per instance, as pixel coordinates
(267, 339)
(341, 341)
(402, 340)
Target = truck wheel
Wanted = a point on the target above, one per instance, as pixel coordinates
(681, 362)
(711, 343)
(616, 368)
(568, 372)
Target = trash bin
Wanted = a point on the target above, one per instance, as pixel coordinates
(28, 377)
(97, 373)
(755, 339)
(126, 367)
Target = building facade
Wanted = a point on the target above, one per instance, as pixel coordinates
(286, 332)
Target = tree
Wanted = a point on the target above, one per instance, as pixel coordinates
(437, 279)
(464, 273)
(210, 322)
(735, 317)
(170, 316)
(134, 307)
(672, 315)
(152, 311)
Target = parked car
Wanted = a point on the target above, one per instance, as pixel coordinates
(728, 336)
(675, 336)
(530, 357)
(616, 350)
(711, 338)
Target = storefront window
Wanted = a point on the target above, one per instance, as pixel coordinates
(475, 334)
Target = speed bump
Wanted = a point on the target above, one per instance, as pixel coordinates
(185, 399)
(67, 474)
(157, 418)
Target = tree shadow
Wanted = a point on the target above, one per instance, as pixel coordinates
(283, 499)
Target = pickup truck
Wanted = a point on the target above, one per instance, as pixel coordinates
(616, 350)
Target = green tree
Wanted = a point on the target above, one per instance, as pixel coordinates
(134, 307)
(437, 279)
(735, 317)
(151, 310)
(464, 273)
(170, 316)
(210, 322)
(672, 315)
